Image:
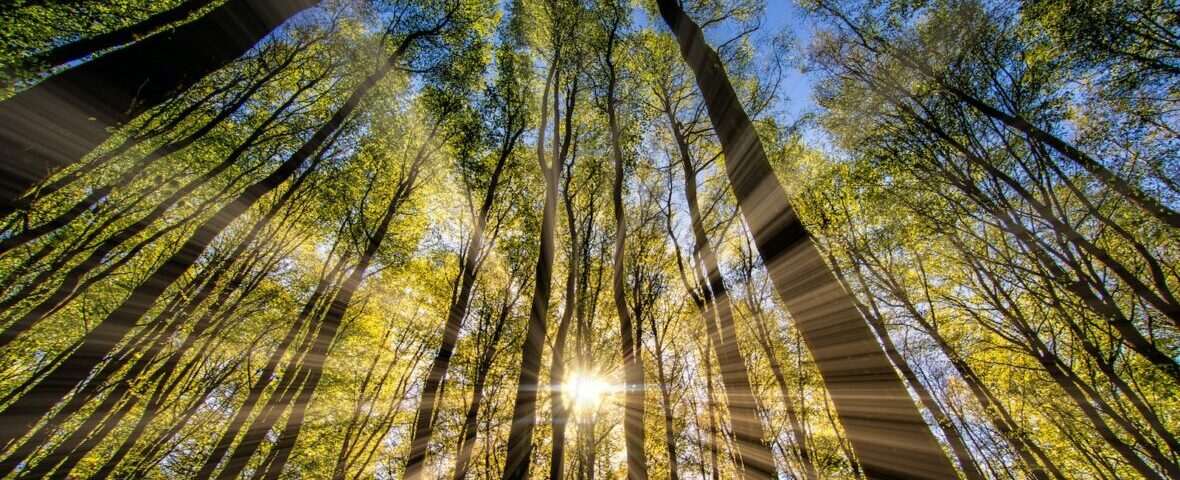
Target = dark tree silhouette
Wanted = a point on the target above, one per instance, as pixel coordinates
(57, 122)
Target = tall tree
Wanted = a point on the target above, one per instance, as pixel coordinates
(856, 371)
(629, 328)
(507, 107)
(524, 408)
(520, 438)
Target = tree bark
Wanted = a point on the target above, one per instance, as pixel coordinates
(888, 434)
(560, 415)
(469, 265)
(633, 389)
(58, 121)
(524, 408)
(84, 47)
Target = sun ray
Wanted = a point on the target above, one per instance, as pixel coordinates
(586, 391)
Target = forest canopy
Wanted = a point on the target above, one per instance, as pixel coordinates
(428, 239)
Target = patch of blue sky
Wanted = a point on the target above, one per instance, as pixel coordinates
(796, 85)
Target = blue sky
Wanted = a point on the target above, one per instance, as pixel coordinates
(796, 86)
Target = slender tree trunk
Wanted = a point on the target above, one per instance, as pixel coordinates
(364, 410)
(1162, 298)
(1107, 366)
(520, 435)
(870, 398)
(97, 426)
(1035, 459)
(314, 363)
(665, 403)
(311, 309)
(1088, 401)
(711, 403)
(753, 454)
(276, 459)
(1126, 189)
(175, 119)
(585, 309)
(70, 286)
(355, 421)
(431, 399)
(57, 122)
(702, 299)
(998, 415)
(763, 337)
(212, 321)
(469, 265)
(633, 392)
(873, 315)
(89, 202)
(560, 415)
(1009, 221)
(310, 365)
(1124, 450)
(977, 385)
(71, 450)
(371, 443)
(468, 433)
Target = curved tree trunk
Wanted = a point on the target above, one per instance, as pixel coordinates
(633, 391)
(524, 408)
(560, 415)
(469, 264)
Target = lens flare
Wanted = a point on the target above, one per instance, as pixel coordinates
(585, 392)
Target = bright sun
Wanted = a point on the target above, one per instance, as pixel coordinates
(586, 391)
